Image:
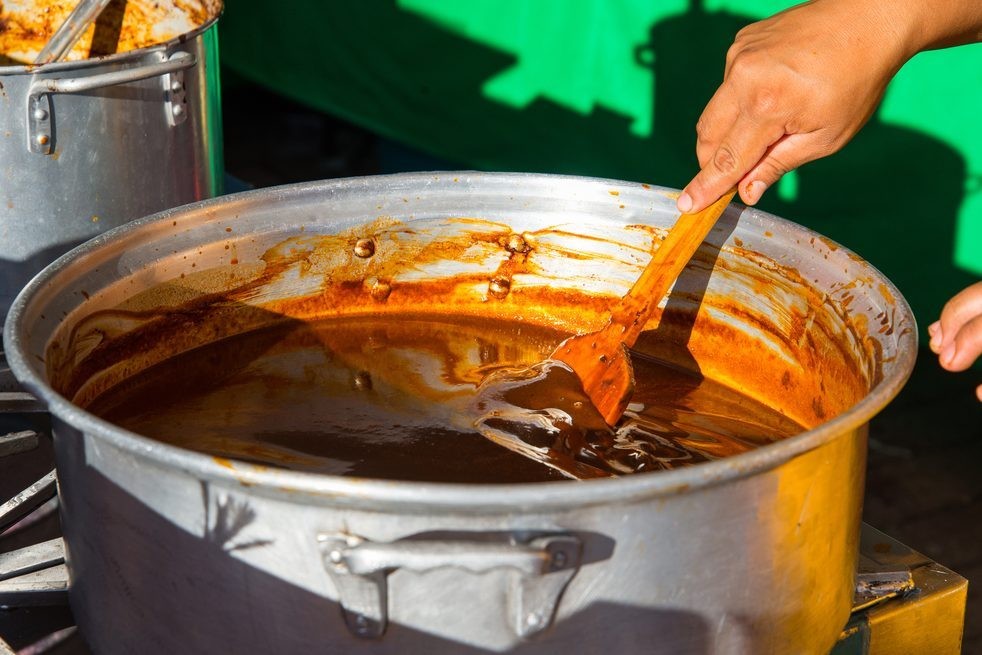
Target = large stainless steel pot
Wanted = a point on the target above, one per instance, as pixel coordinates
(90, 144)
(173, 551)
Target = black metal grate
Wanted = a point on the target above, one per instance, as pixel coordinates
(34, 615)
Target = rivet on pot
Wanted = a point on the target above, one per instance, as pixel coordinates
(364, 248)
(42, 139)
(517, 243)
(40, 114)
(558, 560)
(499, 287)
(378, 289)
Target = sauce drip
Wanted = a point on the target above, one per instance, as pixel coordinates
(418, 398)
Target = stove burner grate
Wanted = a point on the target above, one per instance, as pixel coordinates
(34, 613)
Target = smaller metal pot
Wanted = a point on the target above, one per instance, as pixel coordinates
(89, 145)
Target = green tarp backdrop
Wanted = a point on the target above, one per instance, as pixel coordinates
(613, 88)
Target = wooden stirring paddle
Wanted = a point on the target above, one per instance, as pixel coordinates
(601, 358)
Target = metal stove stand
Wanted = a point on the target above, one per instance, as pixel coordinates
(34, 613)
(904, 602)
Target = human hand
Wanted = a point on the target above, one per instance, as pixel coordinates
(797, 87)
(957, 337)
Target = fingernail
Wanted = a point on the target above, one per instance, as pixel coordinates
(978, 392)
(755, 190)
(933, 327)
(947, 354)
(684, 203)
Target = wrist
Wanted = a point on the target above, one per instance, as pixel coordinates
(904, 21)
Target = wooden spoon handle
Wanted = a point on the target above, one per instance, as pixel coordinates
(631, 314)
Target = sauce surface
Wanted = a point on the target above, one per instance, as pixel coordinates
(417, 398)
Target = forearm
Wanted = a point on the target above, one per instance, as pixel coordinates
(932, 24)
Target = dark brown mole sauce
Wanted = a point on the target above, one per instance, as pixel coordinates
(401, 397)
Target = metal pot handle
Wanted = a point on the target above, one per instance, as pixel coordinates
(359, 568)
(40, 133)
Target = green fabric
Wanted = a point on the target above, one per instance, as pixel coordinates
(613, 88)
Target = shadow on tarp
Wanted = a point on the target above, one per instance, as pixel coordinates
(892, 195)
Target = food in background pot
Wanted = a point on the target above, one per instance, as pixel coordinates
(26, 25)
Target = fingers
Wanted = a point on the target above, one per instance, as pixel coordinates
(957, 336)
(966, 346)
(787, 154)
(739, 150)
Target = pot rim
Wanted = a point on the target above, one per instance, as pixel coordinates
(117, 57)
(365, 492)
